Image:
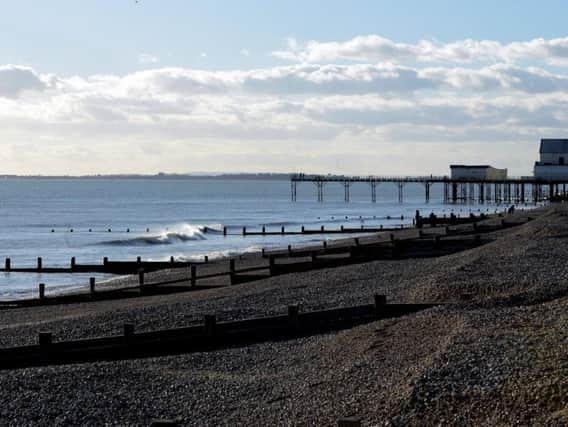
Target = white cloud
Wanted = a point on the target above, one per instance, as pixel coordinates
(301, 116)
(376, 48)
(245, 52)
(203, 54)
(147, 58)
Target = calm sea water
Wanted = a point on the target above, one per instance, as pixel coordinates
(166, 218)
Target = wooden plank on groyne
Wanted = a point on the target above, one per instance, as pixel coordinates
(211, 335)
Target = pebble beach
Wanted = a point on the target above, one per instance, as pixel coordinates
(494, 352)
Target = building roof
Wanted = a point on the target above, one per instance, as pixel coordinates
(553, 146)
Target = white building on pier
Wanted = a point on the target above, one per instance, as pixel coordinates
(553, 163)
(477, 172)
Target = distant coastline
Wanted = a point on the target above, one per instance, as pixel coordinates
(163, 176)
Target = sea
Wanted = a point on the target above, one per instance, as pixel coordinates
(156, 218)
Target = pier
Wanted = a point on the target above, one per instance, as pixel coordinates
(509, 190)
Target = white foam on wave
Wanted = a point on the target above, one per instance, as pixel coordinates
(176, 234)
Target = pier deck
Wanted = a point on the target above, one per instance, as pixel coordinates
(509, 190)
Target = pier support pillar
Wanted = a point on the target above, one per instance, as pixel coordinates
(454, 192)
(346, 187)
(400, 186)
(427, 186)
(373, 185)
(293, 190)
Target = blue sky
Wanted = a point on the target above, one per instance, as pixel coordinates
(71, 36)
(113, 86)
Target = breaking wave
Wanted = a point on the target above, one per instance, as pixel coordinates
(177, 234)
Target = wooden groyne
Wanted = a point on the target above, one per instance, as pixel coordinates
(107, 266)
(424, 242)
(211, 335)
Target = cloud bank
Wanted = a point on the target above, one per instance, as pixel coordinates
(366, 105)
(376, 48)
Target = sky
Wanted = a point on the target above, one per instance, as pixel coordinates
(358, 87)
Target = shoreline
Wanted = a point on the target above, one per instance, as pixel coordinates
(416, 369)
(247, 259)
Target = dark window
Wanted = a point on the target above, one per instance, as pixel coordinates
(561, 160)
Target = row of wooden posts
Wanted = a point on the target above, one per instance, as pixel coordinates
(73, 264)
(210, 334)
(210, 320)
(232, 272)
(321, 230)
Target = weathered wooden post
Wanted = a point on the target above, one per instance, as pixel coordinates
(303, 229)
(437, 242)
(289, 249)
(141, 277)
(356, 240)
(72, 263)
(262, 252)
(263, 230)
(380, 301)
(39, 264)
(349, 422)
(324, 244)
(45, 339)
(244, 231)
(128, 330)
(224, 231)
(341, 228)
(210, 325)
(232, 271)
(8, 265)
(322, 229)
(105, 261)
(293, 317)
(193, 270)
(41, 291)
(172, 260)
(92, 285)
(282, 230)
(206, 259)
(392, 239)
(138, 260)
